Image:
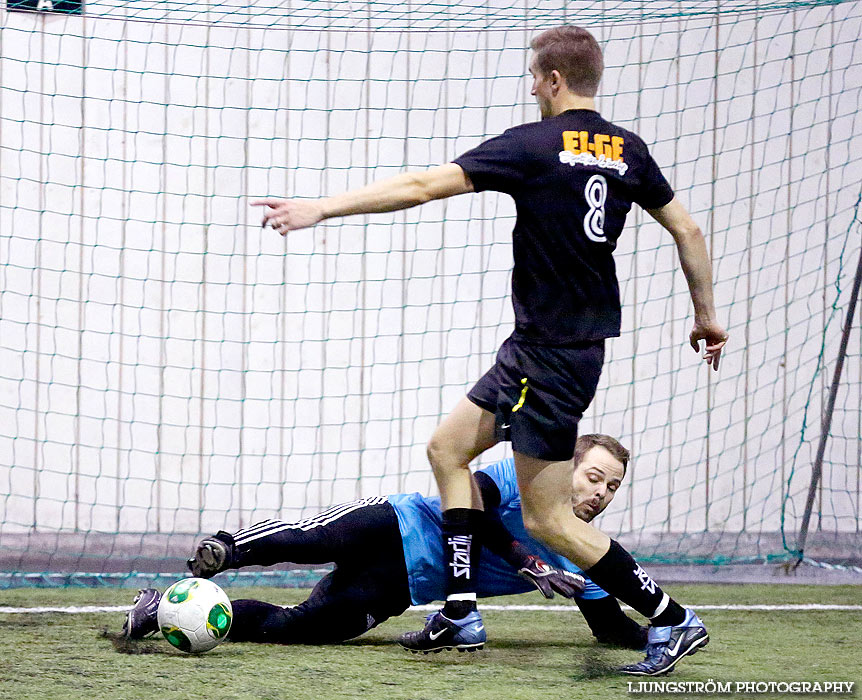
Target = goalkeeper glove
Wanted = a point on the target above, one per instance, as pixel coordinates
(212, 555)
(548, 580)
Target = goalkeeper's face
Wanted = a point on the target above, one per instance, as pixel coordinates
(595, 482)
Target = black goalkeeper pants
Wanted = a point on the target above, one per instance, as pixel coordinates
(368, 585)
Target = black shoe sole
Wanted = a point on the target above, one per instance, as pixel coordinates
(437, 650)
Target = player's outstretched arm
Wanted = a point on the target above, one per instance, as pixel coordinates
(694, 259)
(392, 194)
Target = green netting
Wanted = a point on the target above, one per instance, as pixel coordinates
(168, 369)
(416, 16)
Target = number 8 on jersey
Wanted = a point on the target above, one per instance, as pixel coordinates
(596, 193)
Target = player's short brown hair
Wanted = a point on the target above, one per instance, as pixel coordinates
(587, 442)
(573, 52)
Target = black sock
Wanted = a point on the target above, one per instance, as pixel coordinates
(673, 614)
(621, 576)
(461, 547)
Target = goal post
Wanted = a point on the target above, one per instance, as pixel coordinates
(168, 368)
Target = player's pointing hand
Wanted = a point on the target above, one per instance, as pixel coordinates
(715, 337)
(285, 215)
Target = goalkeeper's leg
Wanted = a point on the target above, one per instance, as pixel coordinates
(343, 605)
(339, 534)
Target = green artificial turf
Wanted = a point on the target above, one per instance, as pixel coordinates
(529, 655)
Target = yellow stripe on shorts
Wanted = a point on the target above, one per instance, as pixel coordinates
(523, 395)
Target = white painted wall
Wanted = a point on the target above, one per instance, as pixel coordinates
(166, 365)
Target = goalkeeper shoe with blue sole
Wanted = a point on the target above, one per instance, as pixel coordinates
(667, 645)
(439, 633)
(142, 619)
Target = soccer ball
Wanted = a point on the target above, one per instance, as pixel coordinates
(195, 615)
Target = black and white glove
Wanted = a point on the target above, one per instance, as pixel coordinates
(549, 580)
(213, 555)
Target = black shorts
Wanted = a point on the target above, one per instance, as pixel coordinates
(538, 394)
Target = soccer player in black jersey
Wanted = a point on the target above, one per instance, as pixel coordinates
(574, 177)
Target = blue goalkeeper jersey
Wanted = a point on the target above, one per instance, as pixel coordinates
(420, 522)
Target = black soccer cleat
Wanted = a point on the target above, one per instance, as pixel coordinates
(213, 555)
(142, 619)
(439, 633)
(667, 645)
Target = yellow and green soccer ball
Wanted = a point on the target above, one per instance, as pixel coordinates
(195, 615)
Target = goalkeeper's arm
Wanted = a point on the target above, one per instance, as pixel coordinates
(500, 541)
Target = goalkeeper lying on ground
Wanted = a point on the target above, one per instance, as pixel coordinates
(388, 555)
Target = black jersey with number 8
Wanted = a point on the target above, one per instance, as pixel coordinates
(574, 178)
